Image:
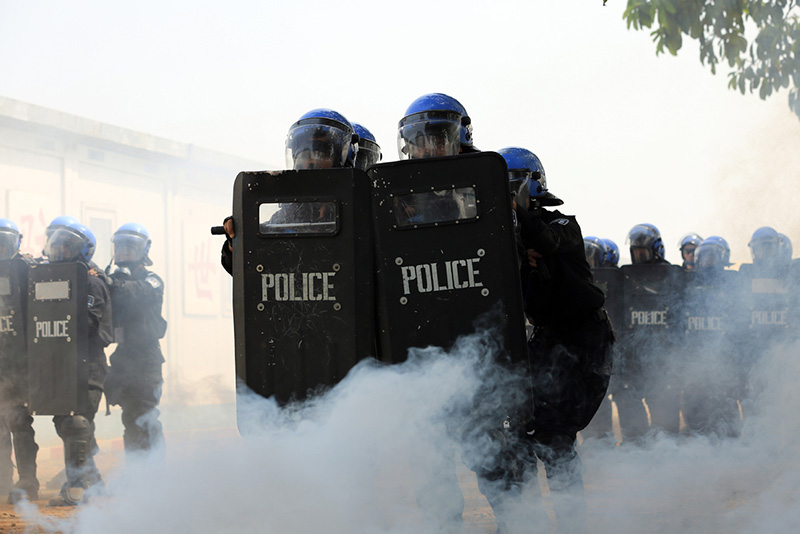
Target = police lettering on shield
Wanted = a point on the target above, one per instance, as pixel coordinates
(303, 287)
(444, 276)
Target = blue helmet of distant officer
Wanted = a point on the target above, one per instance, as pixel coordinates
(765, 246)
(612, 253)
(595, 251)
(131, 245)
(369, 152)
(321, 139)
(10, 239)
(713, 254)
(646, 245)
(687, 245)
(69, 240)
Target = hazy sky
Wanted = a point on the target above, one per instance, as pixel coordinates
(625, 136)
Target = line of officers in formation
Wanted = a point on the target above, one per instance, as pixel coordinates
(692, 335)
(695, 329)
(124, 307)
(568, 364)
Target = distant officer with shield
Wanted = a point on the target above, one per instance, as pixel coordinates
(134, 379)
(14, 412)
(70, 241)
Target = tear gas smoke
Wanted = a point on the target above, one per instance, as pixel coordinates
(345, 461)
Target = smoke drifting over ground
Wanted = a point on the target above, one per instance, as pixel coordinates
(350, 462)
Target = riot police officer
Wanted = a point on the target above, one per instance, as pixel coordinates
(321, 139)
(649, 367)
(603, 258)
(688, 244)
(70, 241)
(369, 152)
(15, 417)
(570, 351)
(435, 125)
(710, 406)
(134, 379)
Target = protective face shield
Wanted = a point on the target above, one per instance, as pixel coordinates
(70, 243)
(764, 245)
(595, 251)
(712, 254)
(10, 239)
(645, 244)
(525, 168)
(131, 244)
(369, 152)
(321, 139)
(429, 134)
(612, 253)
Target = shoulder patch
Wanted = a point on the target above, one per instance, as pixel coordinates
(154, 281)
(91, 300)
(562, 222)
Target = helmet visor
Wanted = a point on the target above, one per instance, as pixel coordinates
(64, 244)
(129, 248)
(369, 153)
(430, 134)
(594, 254)
(318, 145)
(708, 257)
(9, 245)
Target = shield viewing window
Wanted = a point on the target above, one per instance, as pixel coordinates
(438, 206)
(303, 218)
(5, 286)
(56, 290)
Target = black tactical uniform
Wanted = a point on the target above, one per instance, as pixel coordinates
(570, 352)
(135, 379)
(77, 431)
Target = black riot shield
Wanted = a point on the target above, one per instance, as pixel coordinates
(302, 279)
(609, 279)
(13, 288)
(766, 295)
(652, 297)
(709, 307)
(446, 253)
(57, 338)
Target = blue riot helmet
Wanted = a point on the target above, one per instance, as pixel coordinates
(321, 139)
(69, 242)
(785, 248)
(764, 245)
(688, 244)
(645, 244)
(612, 253)
(131, 245)
(595, 251)
(434, 125)
(525, 168)
(713, 253)
(369, 152)
(10, 239)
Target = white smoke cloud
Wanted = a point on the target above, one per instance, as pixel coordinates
(349, 461)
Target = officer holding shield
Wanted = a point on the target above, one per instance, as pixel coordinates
(134, 379)
(570, 351)
(70, 241)
(17, 420)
